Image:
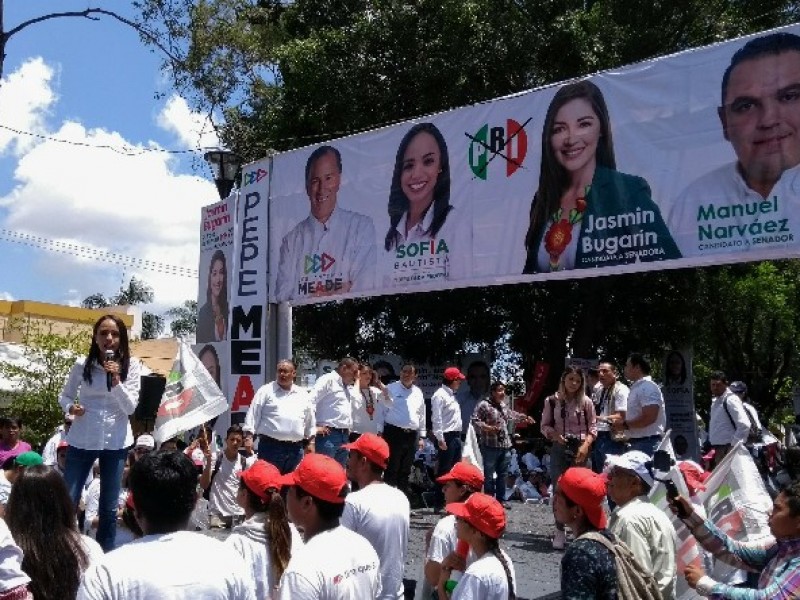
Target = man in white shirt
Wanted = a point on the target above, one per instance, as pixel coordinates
(727, 421)
(282, 416)
(168, 562)
(645, 419)
(470, 395)
(646, 530)
(378, 511)
(611, 398)
(446, 423)
(752, 204)
(50, 448)
(335, 563)
(221, 479)
(332, 399)
(332, 251)
(403, 426)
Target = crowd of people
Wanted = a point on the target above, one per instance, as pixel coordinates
(315, 491)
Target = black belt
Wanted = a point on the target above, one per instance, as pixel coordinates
(452, 433)
(272, 440)
(342, 429)
(648, 437)
(403, 429)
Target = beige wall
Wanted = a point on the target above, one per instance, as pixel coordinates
(18, 316)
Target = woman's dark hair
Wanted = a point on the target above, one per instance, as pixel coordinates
(219, 255)
(209, 349)
(12, 420)
(398, 201)
(668, 377)
(570, 370)
(41, 516)
(276, 527)
(494, 548)
(329, 512)
(495, 385)
(123, 352)
(554, 178)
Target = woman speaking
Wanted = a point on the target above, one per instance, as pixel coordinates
(102, 391)
(586, 213)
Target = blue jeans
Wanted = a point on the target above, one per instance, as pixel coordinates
(647, 445)
(331, 445)
(112, 463)
(495, 460)
(284, 456)
(604, 446)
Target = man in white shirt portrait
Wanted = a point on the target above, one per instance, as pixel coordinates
(168, 562)
(332, 399)
(332, 251)
(727, 421)
(752, 203)
(403, 426)
(282, 416)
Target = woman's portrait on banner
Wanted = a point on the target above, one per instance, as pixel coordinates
(585, 213)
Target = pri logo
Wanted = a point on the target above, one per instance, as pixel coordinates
(316, 263)
(253, 177)
(509, 142)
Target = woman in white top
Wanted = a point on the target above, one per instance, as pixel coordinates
(101, 392)
(480, 521)
(41, 517)
(266, 538)
(367, 416)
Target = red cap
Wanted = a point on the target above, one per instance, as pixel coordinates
(319, 476)
(62, 444)
(129, 501)
(483, 512)
(373, 448)
(465, 473)
(452, 374)
(260, 478)
(587, 489)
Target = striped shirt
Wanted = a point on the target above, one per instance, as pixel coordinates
(778, 562)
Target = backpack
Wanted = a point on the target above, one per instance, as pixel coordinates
(217, 465)
(633, 581)
(754, 435)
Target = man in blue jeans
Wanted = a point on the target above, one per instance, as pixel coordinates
(491, 420)
(332, 399)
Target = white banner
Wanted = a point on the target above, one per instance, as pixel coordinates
(191, 397)
(678, 390)
(645, 167)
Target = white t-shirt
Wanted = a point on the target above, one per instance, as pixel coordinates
(380, 513)
(5, 488)
(285, 415)
(610, 401)
(444, 540)
(485, 579)
(644, 392)
(445, 412)
(171, 566)
(332, 400)
(250, 541)
(11, 573)
(222, 499)
(337, 564)
(406, 408)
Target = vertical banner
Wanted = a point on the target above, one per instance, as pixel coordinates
(214, 292)
(248, 330)
(679, 404)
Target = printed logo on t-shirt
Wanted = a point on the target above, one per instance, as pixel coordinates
(353, 572)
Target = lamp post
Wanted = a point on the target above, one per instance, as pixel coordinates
(226, 167)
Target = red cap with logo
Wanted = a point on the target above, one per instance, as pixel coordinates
(260, 478)
(452, 374)
(586, 489)
(373, 448)
(465, 473)
(483, 512)
(320, 476)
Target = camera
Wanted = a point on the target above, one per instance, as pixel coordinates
(572, 446)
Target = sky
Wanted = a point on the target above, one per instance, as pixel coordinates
(93, 83)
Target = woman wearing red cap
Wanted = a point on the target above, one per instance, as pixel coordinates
(480, 521)
(588, 569)
(266, 538)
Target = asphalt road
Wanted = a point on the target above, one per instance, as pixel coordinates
(527, 542)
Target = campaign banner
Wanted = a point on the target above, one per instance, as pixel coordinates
(249, 309)
(662, 164)
(216, 251)
(191, 396)
(678, 391)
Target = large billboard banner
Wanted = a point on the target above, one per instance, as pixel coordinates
(685, 160)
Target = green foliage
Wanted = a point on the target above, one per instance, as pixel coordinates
(51, 356)
(152, 325)
(184, 318)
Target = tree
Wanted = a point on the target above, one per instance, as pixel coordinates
(50, 357)
(137, 292)
(184, 318)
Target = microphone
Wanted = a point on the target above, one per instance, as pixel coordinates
(109, 376)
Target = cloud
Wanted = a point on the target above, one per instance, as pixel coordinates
(6, 296)
(26, 96)
(192, 129)
(93, 201)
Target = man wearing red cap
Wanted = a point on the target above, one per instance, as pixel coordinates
(335, 563)
(446, 422)
(378, 511)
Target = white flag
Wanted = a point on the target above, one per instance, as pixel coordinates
(191, 397)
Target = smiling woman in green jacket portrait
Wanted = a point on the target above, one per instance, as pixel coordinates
(585, 213)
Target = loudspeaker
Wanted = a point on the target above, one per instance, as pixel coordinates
(150, 393)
